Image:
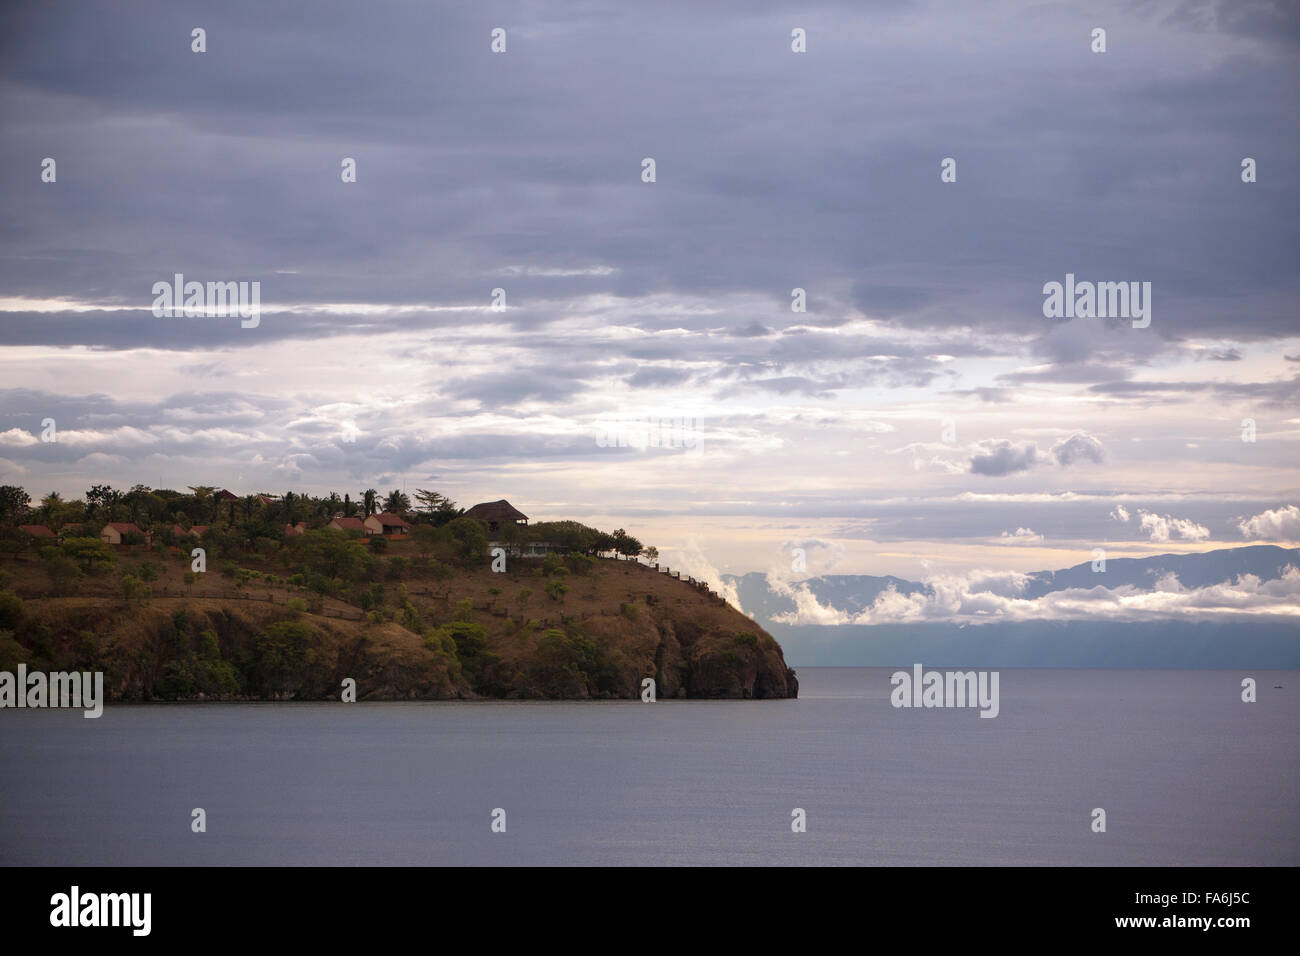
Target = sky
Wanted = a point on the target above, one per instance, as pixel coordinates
(648, 370)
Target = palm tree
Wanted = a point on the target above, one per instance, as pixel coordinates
(397, 503)
(368, 501)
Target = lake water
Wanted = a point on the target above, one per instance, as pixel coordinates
(1186, 772)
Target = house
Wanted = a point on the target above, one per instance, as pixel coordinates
(497, 513)
(112, 532)
(36, 530)
(293, 530)
(347, 524)
(225, 495)
(198, 530)
(178, 532)
(386, 523)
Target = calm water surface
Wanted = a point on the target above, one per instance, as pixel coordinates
(1186, 772)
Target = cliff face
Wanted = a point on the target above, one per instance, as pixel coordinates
(461, 635)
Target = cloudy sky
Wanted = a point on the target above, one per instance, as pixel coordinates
(922, 414)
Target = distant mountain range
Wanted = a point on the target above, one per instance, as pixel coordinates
(1208, 640)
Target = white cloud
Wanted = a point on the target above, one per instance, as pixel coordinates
(17, 438)
(969, 599)
(1163, 527)
(1277, 524)
(1021, 536)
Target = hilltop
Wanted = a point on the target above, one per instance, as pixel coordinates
(405, 618)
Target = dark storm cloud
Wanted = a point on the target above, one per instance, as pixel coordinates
(1078, 447)
(1002, 457)
(514, 385)
(651, 376)
(226, 164)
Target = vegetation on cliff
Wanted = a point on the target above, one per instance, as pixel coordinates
(422, 616)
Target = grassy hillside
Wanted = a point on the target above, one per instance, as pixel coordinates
(293, 622)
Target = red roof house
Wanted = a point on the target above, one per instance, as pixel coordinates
(387, 523)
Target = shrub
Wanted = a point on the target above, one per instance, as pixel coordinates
(470, 640)
(63, 572)
(133, 589)
(11, 609)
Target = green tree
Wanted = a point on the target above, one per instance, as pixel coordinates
(63, 571)
(397, 503)
(14, 502)
(438, 508)
(11, 610)
(133, 589)
(625, 544)
(426, 538)
(470, 640)
(91, 554)
(50, 506)
(471, 536)
(332, 554)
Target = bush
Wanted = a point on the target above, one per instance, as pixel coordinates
(148, 571)
(629, 611)
(133, 589)
(378, 543)
(63, 572)
(470, 642)
(582, 564)
(11, 610)
(91, 554)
